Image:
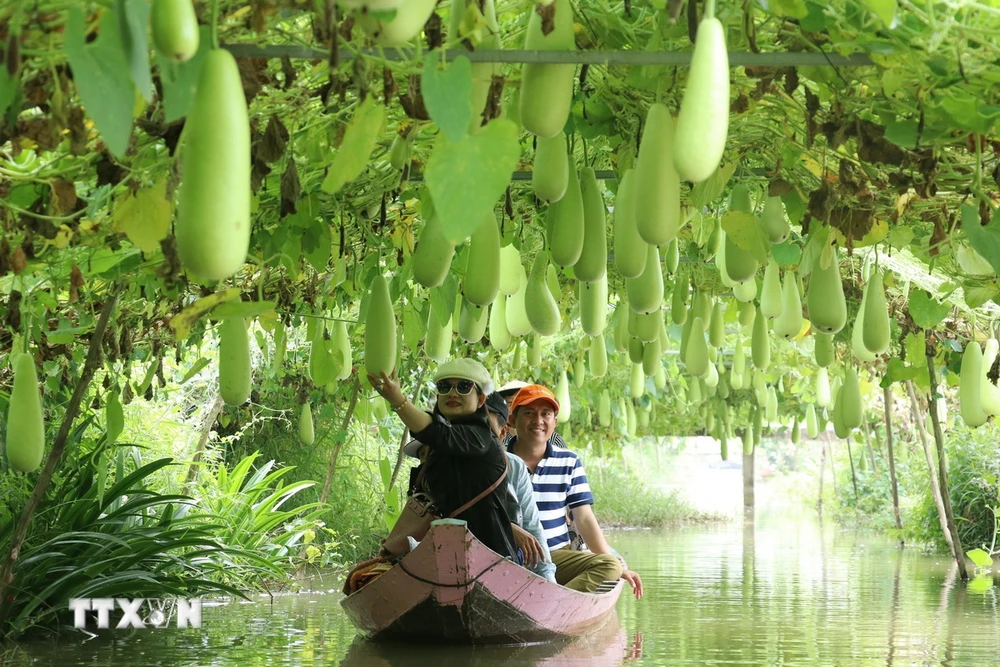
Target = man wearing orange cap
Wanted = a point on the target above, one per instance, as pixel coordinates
(560, 484)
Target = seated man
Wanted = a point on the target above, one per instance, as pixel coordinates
(519, 499)
(560, 483)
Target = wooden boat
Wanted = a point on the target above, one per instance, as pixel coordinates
(453, 589)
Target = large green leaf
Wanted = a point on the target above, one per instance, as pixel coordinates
(102, 77)
(884, 9)
(467, 177)
(709, 190)
(926, 312)
(447, 94)
(364, 131)
(180, 79)
(746, 232)
(133, 19)
(985, 240)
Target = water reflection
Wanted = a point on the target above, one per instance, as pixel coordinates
(608, 646)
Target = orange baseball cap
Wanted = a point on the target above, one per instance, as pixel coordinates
(532, 393)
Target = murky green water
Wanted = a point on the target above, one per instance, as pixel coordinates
(784, 594)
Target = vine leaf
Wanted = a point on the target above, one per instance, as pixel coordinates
(926, 312)
(985, 240)
(102, 78)
(133, 19)
(144, 216)
(365, 129)
(448, 94)
(180, 79)
(746, 232)
(465, 178)
(114, 416)
(182, 322)
(884, 9)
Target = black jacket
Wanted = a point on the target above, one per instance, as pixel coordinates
(465, 458)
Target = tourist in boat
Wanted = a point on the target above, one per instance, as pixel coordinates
(464, 456)
(560, 484)
(519, 501)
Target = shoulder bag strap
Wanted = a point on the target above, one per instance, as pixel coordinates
(487, 492)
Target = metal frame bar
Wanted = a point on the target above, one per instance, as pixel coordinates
(623, 58)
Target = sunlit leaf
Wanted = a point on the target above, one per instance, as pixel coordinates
(985, 240)
(133, 19)
(101, 75)
(364, 131)
(926, 312)
(144, 216)
(884, 9)
(709, 190)
(447, 94)
(114, 416)
(467, 177)
(746, 232)
(980, 558)
(182, 322)
(181, 79)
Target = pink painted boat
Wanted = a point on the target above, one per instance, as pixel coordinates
(453, 589)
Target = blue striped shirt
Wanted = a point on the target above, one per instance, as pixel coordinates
(559, 483)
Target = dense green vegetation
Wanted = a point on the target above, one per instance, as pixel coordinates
(233, 238)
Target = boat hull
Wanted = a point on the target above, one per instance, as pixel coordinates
(453, 589)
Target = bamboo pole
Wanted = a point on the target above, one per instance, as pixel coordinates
(589, 57)
(957, 550)
(854, 477)
(868, 443)
(58, 446)
(918, 422)
(887, 399)
(331, 468)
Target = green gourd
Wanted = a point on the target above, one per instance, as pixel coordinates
(694, 393)
(773, 222)
(701, 307)
(648, 326)
(824, 395)
(876, 325)
(212, 228)
(657, 185)
(840, 429)
(635, 350)
(637, 385)
(703, 123)
(770, 293)
(562, 397)
(645, 293)
(720, 261)
(517, 316)
(552, 280)
(970, 386)
(307, 434)
(740, 264)
(433, 254)
(25, 419)
(541, 309)
(712, 377)
(511, 269)
(500, 338)
(651, 355)
(399, 152)
(234, 361)
(823, 350)
(673, 256)
(789, 323)
(660, 379)
(594, 306)
(550, 176)
(760, 343)
(745, 291)
(630, 249)
(593, 262)
(826, 303)
(853, 410)
(547, 89)
(796, 432)
(280, 347)
(341, 345)
(437, 344)
(604, 409)
(515, 362)
(748, 312)
(323, 365)
(597, 355)
(482, 273)
(472, 322)
(380, 329)
(772, 405)
(812, 424)
(697, 350)
(175, 29)
(717, 329)
(566, 224)
(579, 372)
(622, 315)
(678, 303)
(857, 333)
(535, 352)
(739, 357)
(686, 336)
(405, 23)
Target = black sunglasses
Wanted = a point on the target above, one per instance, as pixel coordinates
(464, 387)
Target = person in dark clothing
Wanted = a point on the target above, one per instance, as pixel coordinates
(464, 456)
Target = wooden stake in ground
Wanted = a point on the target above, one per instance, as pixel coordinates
(957, 550)
(854, 477)
(918, 424)
(887, 399)
(58, 446)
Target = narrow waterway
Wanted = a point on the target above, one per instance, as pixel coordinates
(783, 593)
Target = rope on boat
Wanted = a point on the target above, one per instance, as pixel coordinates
(437, 583)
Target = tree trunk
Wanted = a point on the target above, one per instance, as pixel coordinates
(887, 399)
(58, 446)
(957, 550)
(918, 422)
(854, 477)
(331, 467)
(206, 431)
(868, 443)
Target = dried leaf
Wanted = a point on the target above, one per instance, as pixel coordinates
(63, 196)
(548, 14)
(290, 189)
(76, 281)
(19, 261)
(272, 145)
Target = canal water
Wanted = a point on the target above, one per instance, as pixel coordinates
(783, 593)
